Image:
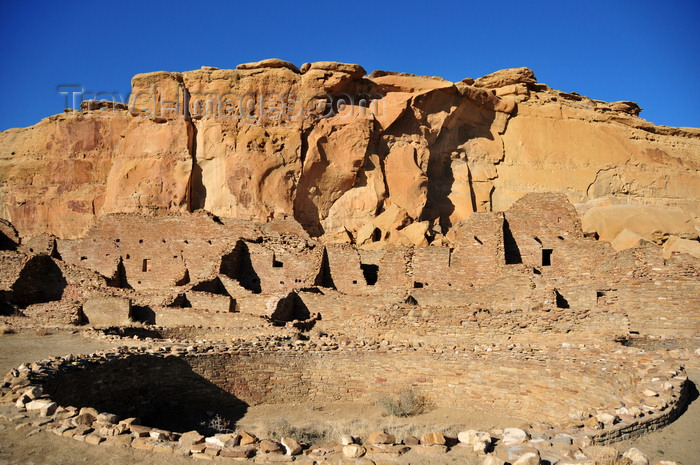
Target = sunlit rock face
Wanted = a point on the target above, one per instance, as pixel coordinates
(334, 148)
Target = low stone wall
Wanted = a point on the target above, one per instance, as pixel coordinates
(615, 395)
(520, 385)
(528, 384)
(163, 391)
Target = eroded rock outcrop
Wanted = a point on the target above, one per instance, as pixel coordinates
(333, 148)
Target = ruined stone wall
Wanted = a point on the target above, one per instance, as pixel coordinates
(508, 383)
(145, 382)
(345, 271)
(390, 268)
(241, 265)
(478, 256)
(11, 264)
(534, 384)
(154, 252)
(282, 268)
(515, 386)
(163, 392)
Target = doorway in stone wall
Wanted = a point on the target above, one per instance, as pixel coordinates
(370, 272)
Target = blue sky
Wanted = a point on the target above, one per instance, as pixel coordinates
(644, 51)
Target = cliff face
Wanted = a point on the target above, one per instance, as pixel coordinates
(333, 148)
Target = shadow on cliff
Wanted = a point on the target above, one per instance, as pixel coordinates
(198, 192)
(446, 140)
(305, 209)
(163, 392)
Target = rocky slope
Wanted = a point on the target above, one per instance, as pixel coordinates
(333, 148)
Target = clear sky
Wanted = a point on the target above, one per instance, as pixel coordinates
(644, 51)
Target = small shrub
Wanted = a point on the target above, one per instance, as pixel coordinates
(217, 425)
(308, 434)
(408, 403)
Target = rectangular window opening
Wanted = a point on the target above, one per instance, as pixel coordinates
(547, 257)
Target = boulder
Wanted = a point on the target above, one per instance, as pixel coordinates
(529, 458)
(416, 233)
(628, 239)
(636, 457)
(268, 63)
(356, 71)
(291, 446)
(431, 439)
(247, 438)
(267, 446)
(654, 223)
(242, 452)
(676, 245)
(380, 437)
(42, 405)
(514, 436)
(506, 77)
(191, 438)
(353, 451)
(472, 437)
(83, 419)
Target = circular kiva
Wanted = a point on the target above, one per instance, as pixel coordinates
(169, 388)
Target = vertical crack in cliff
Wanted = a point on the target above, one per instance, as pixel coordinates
(197, 191)
(595, 180)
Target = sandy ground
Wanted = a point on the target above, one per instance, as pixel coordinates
(678, 441)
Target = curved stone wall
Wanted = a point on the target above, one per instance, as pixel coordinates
(520, 385)
(163, 392)
(620, 394)
(562, 390)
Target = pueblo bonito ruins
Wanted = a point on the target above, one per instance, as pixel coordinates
(274, 235)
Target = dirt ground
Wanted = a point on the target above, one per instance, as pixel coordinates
(678, 441)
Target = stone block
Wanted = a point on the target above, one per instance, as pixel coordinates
(380, 437)
(247, 438)
(291, 446)
(242, 452)
(269, 447)
(514, 436)
(431, 439)
(636, 457)
(191, 438)
(94, 439)
(353, 451)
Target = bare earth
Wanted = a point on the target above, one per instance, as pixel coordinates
(677, 441)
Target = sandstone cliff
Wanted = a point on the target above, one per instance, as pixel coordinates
(350, 156)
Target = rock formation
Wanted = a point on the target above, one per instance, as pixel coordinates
(335, 149)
